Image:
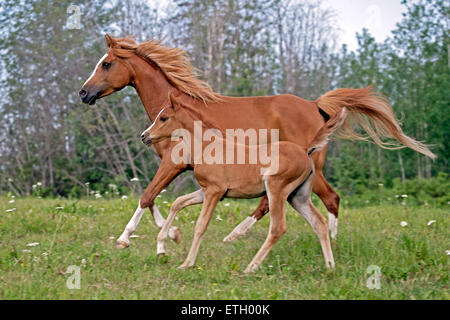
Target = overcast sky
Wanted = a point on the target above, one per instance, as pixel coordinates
(378, 16)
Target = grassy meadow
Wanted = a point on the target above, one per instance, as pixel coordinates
(41, 238)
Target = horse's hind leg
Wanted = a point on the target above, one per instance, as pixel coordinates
(329, 197)
(331, 200)
(300, 199)
(248, 222)
(277, 227)
(180, 203)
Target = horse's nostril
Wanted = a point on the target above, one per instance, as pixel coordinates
(142, 137)
(82, 93)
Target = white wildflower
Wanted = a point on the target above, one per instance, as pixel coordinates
(227, 204)
(59, 208)
(404, 196)
(11, 201)
(44, 254)
(112, 238)
(10, 180)
(26, 250)
(431, 222)
(165, 202)
(218, 218)
(33, 186)
(380, 184)
(11, 210)
(112, 186)
(33, 244)
(124, 197)
(98, 196)
(83, 262)
(134, 179)
(447, 252)
(39, 184)
(163, 190)
(403, 223)
(87, 183)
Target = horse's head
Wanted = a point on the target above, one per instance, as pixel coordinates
(110, 74)
(166, 123)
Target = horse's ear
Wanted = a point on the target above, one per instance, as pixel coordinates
(173, 101)
(110, 41)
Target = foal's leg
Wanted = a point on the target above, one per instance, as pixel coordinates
(165, 174)
(321, 187)
(248, 222)
(180, 203)
(277, 229)
(209, 204)
(301, 201)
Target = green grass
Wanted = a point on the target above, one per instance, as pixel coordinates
(412, 259)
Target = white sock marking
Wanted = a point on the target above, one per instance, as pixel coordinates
(332, 225)
(241, 229)
(132, 225)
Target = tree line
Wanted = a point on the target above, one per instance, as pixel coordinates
(241, 48)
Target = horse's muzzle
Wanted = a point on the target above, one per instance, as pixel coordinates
(146, 139)
(88, 97)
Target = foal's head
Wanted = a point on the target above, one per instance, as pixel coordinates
(111, 74)
(166, 123)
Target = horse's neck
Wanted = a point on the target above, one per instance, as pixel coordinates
(151, 86)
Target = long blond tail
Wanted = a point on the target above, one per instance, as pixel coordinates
(373, 112)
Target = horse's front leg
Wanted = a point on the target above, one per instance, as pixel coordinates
(165, 174)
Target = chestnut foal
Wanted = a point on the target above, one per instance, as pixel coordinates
(290, 180)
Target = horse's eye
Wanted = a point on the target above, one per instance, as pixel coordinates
(163, 119)
(106, 65)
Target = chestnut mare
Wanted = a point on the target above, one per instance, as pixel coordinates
(289, 178)
(155, 71)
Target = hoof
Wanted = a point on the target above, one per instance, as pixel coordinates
(230, 238)
(176, 235)
(122, 245)
(185, 265)
(251, 268)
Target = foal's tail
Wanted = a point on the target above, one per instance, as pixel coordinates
(321, 138)
(373, 112)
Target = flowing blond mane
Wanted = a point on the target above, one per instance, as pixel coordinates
(173, 62)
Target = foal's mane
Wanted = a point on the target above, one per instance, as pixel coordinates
(173, 62)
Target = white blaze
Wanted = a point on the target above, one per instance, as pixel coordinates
(96, 67)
